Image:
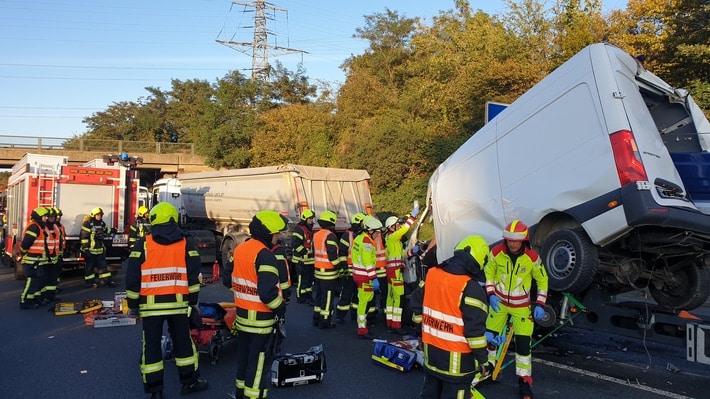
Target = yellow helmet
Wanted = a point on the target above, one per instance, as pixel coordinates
(328, 217)
(272, 220)
(357, 218)
(307, 214)
(96, 211)
(142, 211)
(477, 247)
(58, 211)
(163, 213)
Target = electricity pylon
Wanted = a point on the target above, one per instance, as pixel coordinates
(259, 47)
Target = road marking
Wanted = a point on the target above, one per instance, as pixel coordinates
(612, 379)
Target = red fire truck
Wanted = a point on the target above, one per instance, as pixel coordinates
(40, 180)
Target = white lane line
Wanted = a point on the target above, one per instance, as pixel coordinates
(612, 379)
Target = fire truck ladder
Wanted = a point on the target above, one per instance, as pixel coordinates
(46, 179)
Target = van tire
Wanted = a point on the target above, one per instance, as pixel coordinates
(570, 259)
(688, 290)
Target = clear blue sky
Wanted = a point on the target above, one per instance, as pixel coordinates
(63, 60)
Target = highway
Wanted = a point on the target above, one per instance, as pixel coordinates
(48, 356)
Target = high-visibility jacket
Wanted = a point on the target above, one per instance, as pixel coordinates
(394, 248)
(164, 285)
(284, 268)
(364, 258)
(325, 255)
(255, 283)
(54, 239)
(302, 244)
(511, 281)
(92, 236)
(62, 238)
(451, 346)
(138, 229)
(33, 247)
(346, 251)
(380, 254)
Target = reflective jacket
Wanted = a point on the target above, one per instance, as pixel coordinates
(364, 258)
(511, 281)
(302, 244)
(92, 236)
(325, 255)
(394, 248)
(380, 254)
(454, 309)
(54, 241)
(255, 282)
(345, 250)
(138, 229)
(284, 268)
(33, 247)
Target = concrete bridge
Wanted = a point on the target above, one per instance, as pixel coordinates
(162, 158)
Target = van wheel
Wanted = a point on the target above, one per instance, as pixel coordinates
(688, 290)
(570, 259)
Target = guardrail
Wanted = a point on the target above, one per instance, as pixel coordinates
(82, 144)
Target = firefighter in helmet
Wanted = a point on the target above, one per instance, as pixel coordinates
(34, 255)
(327, 268)
(452, 307)
(140, 227)
(510, 271)
(259, 303)
(396, 255)
(302, 244)
(364, 255)
(348, 293)
(162, 284)
(93, 232)
(54, 253)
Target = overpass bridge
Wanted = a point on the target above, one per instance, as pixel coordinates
(158, 158)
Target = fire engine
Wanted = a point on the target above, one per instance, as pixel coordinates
(40, 180)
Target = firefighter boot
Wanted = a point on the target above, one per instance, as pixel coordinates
(197, 386)
(525, 386)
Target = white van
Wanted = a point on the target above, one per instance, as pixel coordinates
(584, 159)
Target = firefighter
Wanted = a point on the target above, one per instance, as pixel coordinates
(140, 227)
(396, 255)
(348, 292)
(34, 253)
(452, 308)
(54, 248)
(364, 260)
(510, 271)
(327, 268)
(162, 285)
(92, 247)
(302, 244)
(254, 280)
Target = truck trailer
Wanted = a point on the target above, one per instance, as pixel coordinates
(216, 207)
(40, 180)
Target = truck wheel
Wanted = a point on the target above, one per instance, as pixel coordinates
(688, 290)
(570, 259)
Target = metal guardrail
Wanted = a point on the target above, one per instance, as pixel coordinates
(81, 144)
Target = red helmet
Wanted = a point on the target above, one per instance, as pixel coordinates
(516, 231)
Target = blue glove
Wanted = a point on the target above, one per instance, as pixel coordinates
(416, 249)
(494, 300)
(539, 312)
(376, 284)
(489, 337)
(415, 211)
(495, 340)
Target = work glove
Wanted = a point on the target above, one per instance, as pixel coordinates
(494, 300)
(539, 312)
(376, 284)
(416, 249)
(495, 340)
(415, 210)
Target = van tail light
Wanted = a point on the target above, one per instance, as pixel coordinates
(626, 155)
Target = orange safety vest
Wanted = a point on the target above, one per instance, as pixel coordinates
(244, 277)
(442, 319)
(320, 250)
(53, 241)
(164, 271)
(36, 252)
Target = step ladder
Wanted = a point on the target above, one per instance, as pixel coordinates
(46, 186)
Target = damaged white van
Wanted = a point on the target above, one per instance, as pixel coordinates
(584, 158)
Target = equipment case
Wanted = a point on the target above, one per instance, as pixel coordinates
(299, 368)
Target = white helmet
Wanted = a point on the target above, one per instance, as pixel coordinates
(371, 223)
(391, 221)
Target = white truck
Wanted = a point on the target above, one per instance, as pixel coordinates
(586, 159)
(216, 207)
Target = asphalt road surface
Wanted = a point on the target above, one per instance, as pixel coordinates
(48, 356)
